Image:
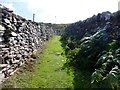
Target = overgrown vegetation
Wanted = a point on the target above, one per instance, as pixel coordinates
(95, 50)
(92, 53)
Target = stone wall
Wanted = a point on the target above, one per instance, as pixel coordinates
(90, 26)
(19, 38)
(59, 28)
(93, 45)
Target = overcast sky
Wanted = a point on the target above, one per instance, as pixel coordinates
(60, 11)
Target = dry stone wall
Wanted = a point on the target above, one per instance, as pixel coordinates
(19, 38)
(94, 45)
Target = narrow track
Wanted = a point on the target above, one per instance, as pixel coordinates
(48, 71)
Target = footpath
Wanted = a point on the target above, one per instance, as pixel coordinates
(48, 71)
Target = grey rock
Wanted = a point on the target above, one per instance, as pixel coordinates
(2, 46)
(7, 21)
(1, 33)
(13, 34)
(2, 28)
(1, 39)
(19, 38)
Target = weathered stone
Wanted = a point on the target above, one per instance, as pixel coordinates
(8, 57)
(16, 61)
(18, 56)
(13, 34)
(5, 49)
(7, 21)
(3, 65)
(19, 38)
(2, 28)
(1, 33)
(2, 46)
(1, 39)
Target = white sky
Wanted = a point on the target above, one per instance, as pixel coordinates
(66, 11)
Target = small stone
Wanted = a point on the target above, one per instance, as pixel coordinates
(2, 28)
(16, 61)
(5, 49)
(2, 46)
(3, 65)
(8, 57)
(1, 33)
(11, 73)
(13, 34)
(18, 56)
(7, 21)
(1, 39)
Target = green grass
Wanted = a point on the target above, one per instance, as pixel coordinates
(48, 71)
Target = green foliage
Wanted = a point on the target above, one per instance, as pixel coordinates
(112, 45)
(71, 55)
(109, 80)
(112, 79)
(99, 52)
(61, 26)
(97, 76)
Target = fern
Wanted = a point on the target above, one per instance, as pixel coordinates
(112, 79)
(97, 76)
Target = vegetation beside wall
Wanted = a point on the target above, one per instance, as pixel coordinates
(93, 45)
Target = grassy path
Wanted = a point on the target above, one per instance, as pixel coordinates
(48, 72)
